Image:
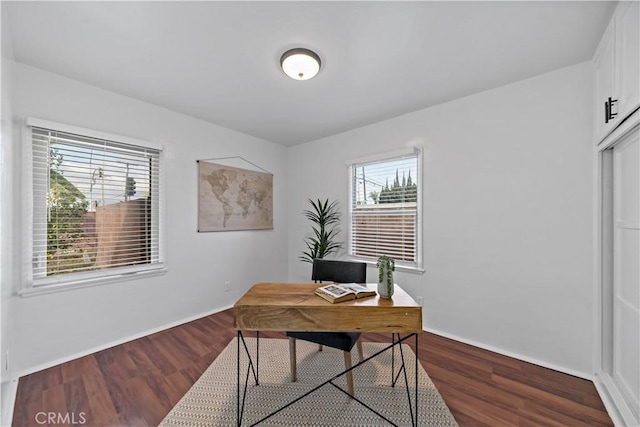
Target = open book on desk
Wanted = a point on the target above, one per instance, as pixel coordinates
(338, 292)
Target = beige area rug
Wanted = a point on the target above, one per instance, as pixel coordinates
(212, 399)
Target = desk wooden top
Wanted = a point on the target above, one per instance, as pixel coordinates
(295, 307)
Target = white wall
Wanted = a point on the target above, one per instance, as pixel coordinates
(53, 327)
(507, 213)
(7, 194)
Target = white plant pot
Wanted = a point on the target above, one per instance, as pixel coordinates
(382, 286)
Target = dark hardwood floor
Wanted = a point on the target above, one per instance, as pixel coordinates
(137, 383)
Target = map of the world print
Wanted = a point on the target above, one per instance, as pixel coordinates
(233, 199)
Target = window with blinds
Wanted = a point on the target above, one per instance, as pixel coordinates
(385, 209)
(95, 207)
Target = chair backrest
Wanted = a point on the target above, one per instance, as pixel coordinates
(339, 271)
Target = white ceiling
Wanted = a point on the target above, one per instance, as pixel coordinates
(219, 61)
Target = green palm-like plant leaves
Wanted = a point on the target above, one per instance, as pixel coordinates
(325, 218)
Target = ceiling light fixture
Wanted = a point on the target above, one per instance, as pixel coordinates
(300, 63)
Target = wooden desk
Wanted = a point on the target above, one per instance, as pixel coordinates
(294, 307)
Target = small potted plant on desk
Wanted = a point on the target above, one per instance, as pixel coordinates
(386, 266)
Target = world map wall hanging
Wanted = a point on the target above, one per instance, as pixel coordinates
(232, 198)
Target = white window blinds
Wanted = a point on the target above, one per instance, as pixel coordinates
(385, 209)
(95, 206)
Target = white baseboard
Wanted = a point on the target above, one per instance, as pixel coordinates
(117, 342)
(528, 359)
(9, 389)
(618, 409)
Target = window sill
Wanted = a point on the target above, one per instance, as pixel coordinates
(412, 270)
(38, 290)
(401, 268)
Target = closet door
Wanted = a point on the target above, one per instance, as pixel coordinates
(626, 273)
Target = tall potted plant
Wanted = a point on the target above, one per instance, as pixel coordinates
(325, 218)
(386, 266)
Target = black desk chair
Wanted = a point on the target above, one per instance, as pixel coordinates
(340, 272)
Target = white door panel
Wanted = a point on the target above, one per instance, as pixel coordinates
(628, 250)
(626, 270)
(626, 366)
(627, 182)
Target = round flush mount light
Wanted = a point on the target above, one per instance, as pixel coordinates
(300, 63)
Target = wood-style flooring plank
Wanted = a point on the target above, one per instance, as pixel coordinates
(480, 410)
(54, 398)
(558, 403)
(472, 387)
(137, 383)
(100, 404)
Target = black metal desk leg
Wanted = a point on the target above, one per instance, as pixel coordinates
(251, 369)
(393, 358)
(238, 419)
(416, 379)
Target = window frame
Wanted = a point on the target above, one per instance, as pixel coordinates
(37, 286)
(411, 267)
